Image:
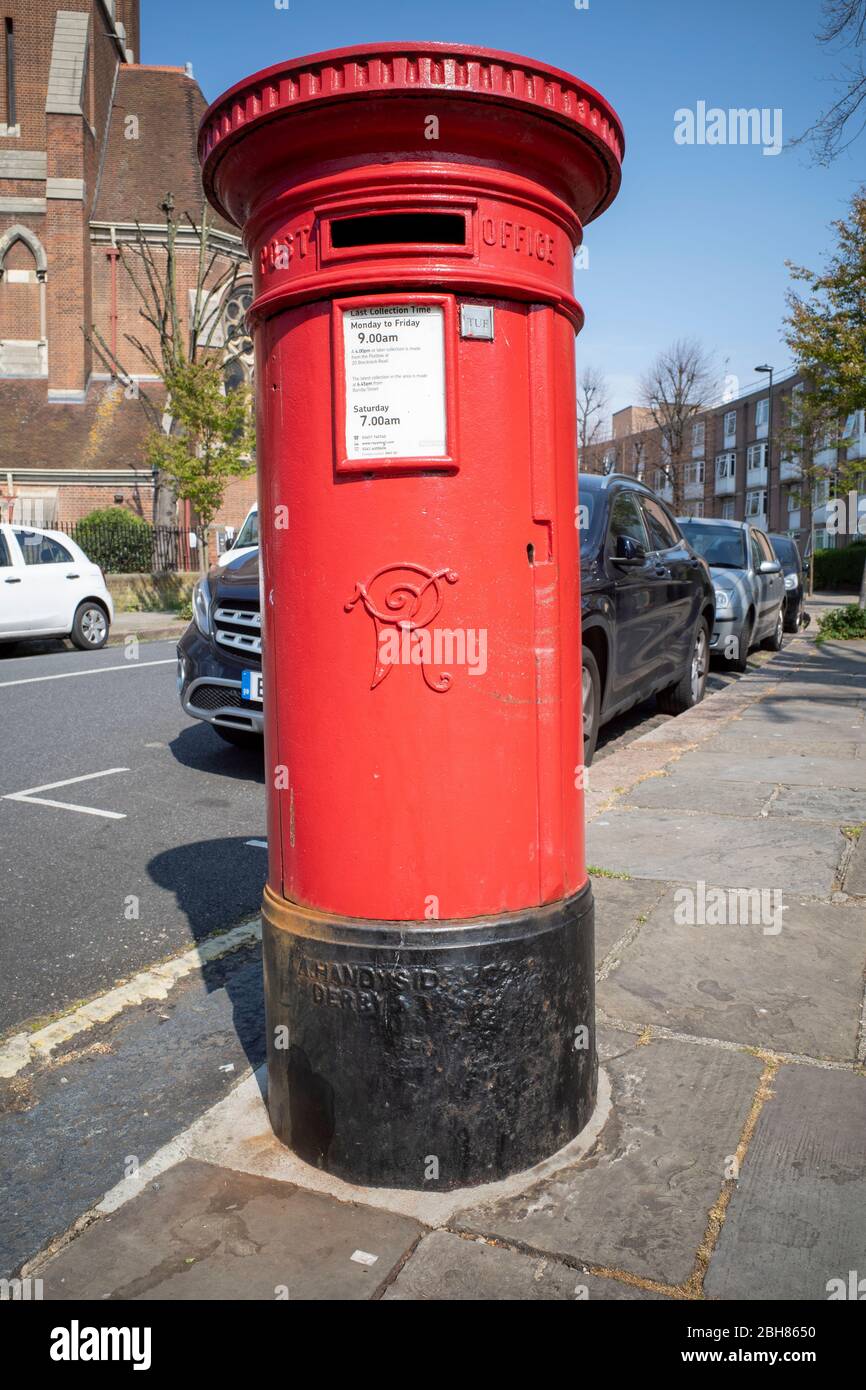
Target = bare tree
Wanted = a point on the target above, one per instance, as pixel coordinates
(171, 350)
(839, 126)
(593, 401)
(675, 390)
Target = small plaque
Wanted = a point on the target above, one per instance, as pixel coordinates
(476, 321)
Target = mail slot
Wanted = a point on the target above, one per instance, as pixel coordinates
(412, 213)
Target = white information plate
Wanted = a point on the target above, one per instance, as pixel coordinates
(395, 381)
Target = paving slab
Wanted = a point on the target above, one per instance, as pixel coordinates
(452, 1268)
(799, 991)
(683, 847)
(748, 738)
(677, 790)
(203, 1232)
(797, 1219)
(820, 803)
(639, 1202)
(791, 768)
(818, 711)
(855, 876)
(619, 903)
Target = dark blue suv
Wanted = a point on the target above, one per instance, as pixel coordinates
(647, 604)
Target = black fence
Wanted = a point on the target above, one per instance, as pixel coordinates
(133, 547)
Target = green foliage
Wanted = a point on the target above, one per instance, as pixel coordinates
(839, 569)
(846, 623)
(825, 329)
(116, 539)
(211, 441)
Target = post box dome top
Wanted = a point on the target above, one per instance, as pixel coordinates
(375, 71)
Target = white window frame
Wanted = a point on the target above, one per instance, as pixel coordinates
(729, 507)
(759, 452)
(726, 465)
(820, 493)
(694, 471)
(729, 426)
(752, 510)
(699, 435)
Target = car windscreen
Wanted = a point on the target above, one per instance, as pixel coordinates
(249, 532)
(719, 545)
(786, 552)
(590, 519)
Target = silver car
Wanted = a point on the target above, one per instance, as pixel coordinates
(749, 585)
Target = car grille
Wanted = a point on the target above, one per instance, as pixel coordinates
(212, 697)
(239, 627)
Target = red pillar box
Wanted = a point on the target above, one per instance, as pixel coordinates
(411, 211)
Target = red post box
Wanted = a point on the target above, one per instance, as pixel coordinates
(412, 211)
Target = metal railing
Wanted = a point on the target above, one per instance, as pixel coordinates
(132, 548)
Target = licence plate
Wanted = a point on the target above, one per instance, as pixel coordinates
(251, 686)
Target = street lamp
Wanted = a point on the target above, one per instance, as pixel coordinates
(768, 369)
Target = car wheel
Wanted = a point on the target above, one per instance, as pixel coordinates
(773, 643)
(239, 738)
(689, 691)
(591, 703)
(792, 617)
(741, 661)
(90, 626)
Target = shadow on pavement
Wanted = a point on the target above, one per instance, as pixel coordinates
(218, 884)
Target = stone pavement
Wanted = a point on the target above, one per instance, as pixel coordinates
(147, 627)
(727, 1156)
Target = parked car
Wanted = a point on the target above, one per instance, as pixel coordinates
(49, 588)
(647, 604)
(788, 555)
(246, 540)
(219, 657)
(750, 590)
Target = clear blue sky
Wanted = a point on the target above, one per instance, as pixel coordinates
(696, 243)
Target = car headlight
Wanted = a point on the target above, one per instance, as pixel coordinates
(790, 581)
(723, 598)
(201, 606)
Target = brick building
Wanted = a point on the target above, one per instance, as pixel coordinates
(91, 142)
(731, 467)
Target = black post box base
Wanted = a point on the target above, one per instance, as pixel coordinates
(433, 1056)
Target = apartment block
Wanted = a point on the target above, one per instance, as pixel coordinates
(737, 463)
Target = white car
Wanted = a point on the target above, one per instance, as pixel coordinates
(49, 588)
(246, 540)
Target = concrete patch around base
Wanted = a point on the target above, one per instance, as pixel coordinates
(618, 905)
(202, 1232)
(683, 847)
(797, 1219)
(237, 1134)
(640, 1201)
(458, 1269)
(798, 991)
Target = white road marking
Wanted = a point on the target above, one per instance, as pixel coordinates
(92, 671)
(30, 795)
(259, 844)
(21, 1049)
